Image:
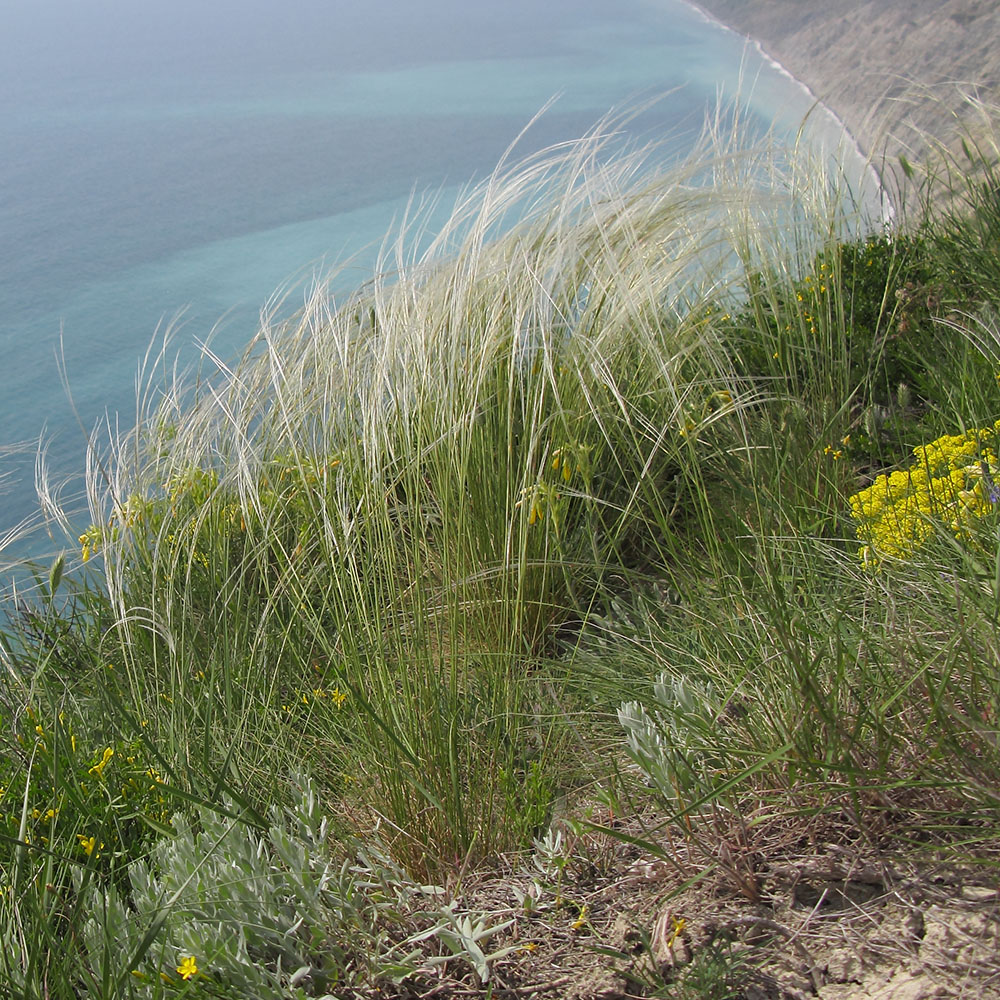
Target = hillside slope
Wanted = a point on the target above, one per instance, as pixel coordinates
(886, 68)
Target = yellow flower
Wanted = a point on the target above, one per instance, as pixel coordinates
(950, 483)
(98, 768)
(188, 967)
(90, 541)
(679, 926)
(338, 697)
(88, 844)
(561, 463)
(536, 513)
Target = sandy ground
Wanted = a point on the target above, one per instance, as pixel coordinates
(890, 69)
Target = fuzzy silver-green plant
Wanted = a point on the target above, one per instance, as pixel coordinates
(270, 915)
(675, 743)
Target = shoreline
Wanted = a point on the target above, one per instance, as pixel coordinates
(856, 147)
(910, 82)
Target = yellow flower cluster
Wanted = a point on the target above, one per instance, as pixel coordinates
(90, 541)
(336, 697)
(949, 484)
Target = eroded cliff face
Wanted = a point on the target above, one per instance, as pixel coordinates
(888, 68)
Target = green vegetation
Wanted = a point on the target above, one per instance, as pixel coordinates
(564, 510)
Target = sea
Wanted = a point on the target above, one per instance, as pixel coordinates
(173, 164)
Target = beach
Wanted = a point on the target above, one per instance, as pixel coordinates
(897, 75)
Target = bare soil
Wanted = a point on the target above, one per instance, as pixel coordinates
(787, 912)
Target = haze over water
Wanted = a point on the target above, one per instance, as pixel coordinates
(196, 156)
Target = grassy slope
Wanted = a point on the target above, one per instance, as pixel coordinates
(536, 520)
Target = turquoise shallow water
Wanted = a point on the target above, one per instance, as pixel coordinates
(198, 156)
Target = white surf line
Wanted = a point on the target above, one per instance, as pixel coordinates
(887, 212)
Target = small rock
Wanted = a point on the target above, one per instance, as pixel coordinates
(844, 966)
(905, 986)
(979, 894)
(971, 938)
(838, 991)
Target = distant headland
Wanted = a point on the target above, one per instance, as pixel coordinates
(889, 70)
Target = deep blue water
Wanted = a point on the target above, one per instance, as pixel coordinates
(197, 155)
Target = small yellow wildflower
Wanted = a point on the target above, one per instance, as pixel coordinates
(338, 697)
(534, 495)
(679, 925)
(87, 844)
(561, 463)
(581, 919)
(98, 768)
(188, 967)
(90, 542)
